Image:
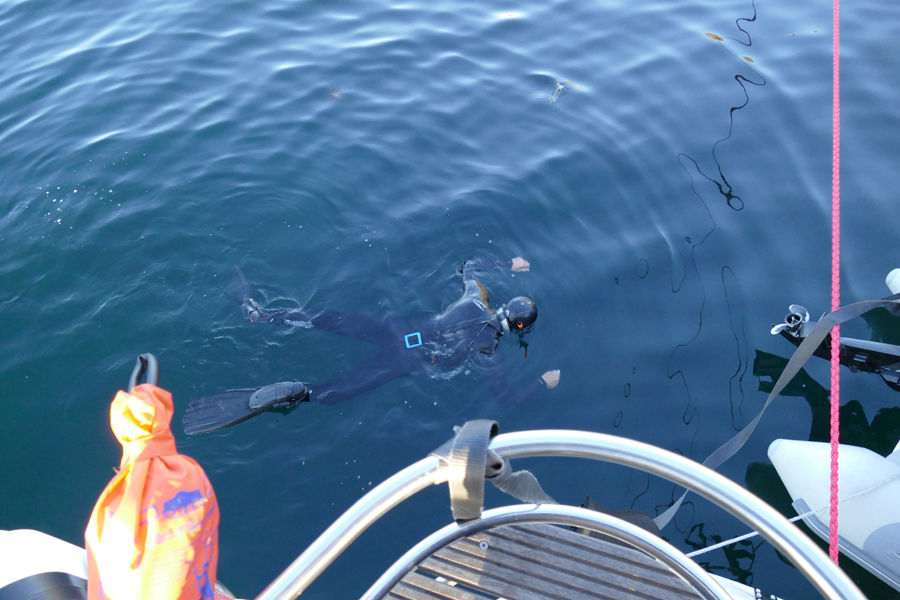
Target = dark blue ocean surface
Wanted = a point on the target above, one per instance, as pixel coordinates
(671, 191)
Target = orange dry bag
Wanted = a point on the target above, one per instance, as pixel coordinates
(154, 530)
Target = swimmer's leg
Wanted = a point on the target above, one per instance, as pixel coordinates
(240, 290)
(378, 330)
(374, 329)
(366, 376)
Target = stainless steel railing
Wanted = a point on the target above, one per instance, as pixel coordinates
(825, 576)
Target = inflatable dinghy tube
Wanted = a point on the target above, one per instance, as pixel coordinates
(869, 526)
(893, 281)
(38, 566)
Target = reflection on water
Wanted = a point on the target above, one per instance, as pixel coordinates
(733, 296)
(880, 435)
(733, 200)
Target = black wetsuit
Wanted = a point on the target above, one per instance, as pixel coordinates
(467, 332)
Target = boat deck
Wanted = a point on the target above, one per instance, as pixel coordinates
(539, 562)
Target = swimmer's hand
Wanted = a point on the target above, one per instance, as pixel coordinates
(519, 264)
(551, 378)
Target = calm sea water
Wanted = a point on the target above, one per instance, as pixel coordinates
(671, 191)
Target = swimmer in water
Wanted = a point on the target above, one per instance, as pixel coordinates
(468, 332)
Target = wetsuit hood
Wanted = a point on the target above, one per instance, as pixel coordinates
(520, 313)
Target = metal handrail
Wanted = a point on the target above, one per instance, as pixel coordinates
(557, 514)
(809, 559)
(825, 576)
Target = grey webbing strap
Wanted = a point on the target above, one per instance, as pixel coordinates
(804, 351)
(465, 458)
(521, 485)
(468, 461)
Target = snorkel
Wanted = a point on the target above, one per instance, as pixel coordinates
(522, 322)
(522, 342)
(504, 319)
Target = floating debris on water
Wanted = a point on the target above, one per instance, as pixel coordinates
(560, 88)
(556, 93)
(336, 95)
(715, 37)
(748, 59)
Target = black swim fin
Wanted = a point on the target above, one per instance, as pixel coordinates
(219, 411)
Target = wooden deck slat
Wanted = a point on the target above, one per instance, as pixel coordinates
(419, 587)
(560, 545)
(503, 583)
(512, 578)
(541, 562)
(573, 571)
(593, 552)
(571, 538)
(570, 543)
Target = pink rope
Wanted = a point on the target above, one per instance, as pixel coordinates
(835, 284)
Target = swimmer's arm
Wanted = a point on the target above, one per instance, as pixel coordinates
(493, 367)
(472, 269)
(517, 395)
